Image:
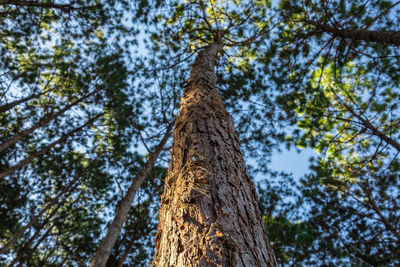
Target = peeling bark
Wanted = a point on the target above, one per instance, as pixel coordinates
(209, 214)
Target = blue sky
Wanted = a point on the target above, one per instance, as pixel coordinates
(292, 161)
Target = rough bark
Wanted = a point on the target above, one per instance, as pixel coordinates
(382, 37)
(107, 244)
(209, 213)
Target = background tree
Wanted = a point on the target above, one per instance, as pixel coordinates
(65, 106)
(84, 98)
(337, 84)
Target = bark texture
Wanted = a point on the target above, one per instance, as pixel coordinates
(209, 213)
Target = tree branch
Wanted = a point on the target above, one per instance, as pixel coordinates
(36, 4)
(381, 37)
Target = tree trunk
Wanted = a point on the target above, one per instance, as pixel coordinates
(209, 213)
(105, 248)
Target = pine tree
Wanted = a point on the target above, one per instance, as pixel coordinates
(335, 66)
(209, 212)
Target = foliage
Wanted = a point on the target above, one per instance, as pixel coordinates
(91, 85)
(340, 94)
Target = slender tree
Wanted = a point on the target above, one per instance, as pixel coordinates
(107, 244)
(53, 55)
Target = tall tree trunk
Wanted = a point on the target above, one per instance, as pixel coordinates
(209, 213)
(105, 248)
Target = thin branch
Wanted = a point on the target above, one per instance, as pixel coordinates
(42, 5)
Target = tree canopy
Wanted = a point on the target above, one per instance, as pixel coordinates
(89, 91)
